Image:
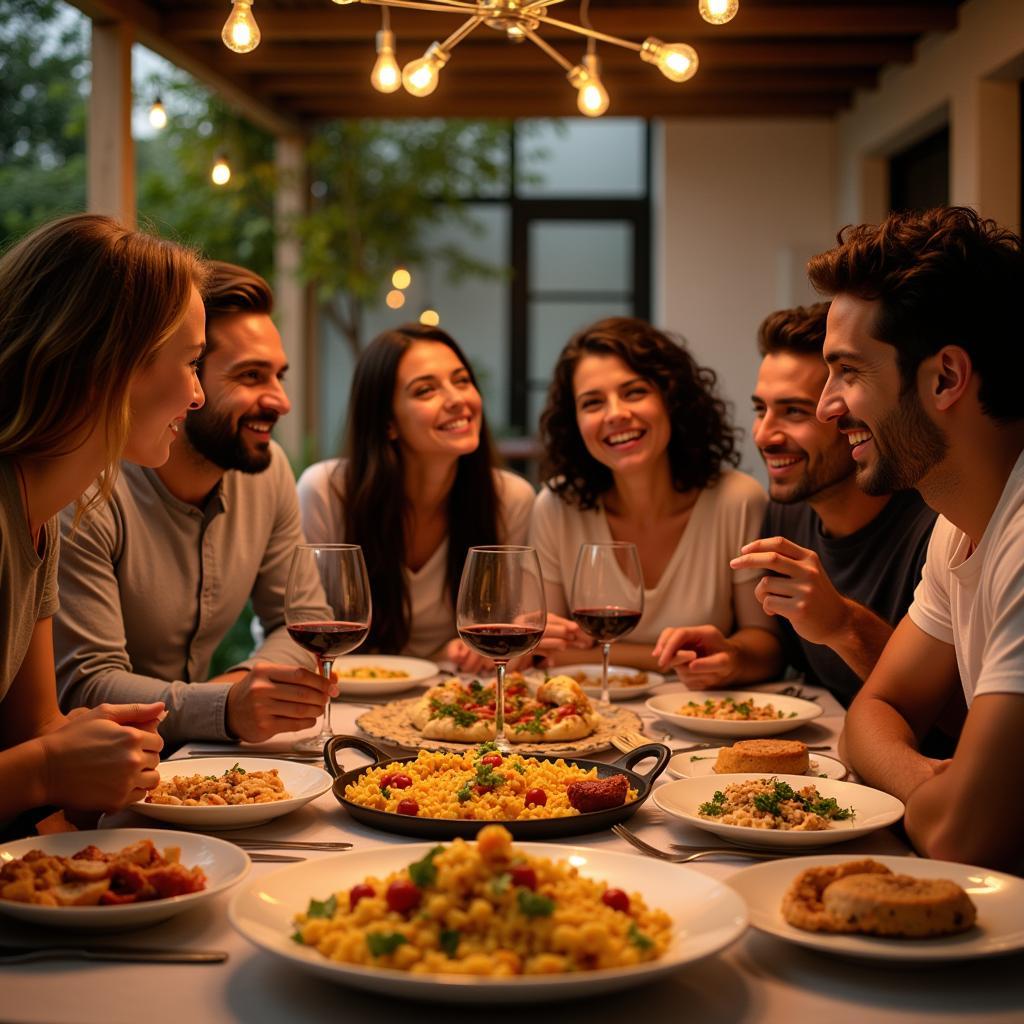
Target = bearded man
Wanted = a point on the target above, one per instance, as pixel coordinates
(152, 580)
(842, 564)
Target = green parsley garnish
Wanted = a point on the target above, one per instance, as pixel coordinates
(500, 884)
(423, 872)
(697, 757)
(490, 747)
(714, 807)
(533, 904)
(638, 938)
(385, 792)
(458, 715)
(828, 807)
(534, 724)
(516, 766)
(487, 776)
(449, 941)
(322, 908)
(382, 943)
(297, 937)
(466, 793)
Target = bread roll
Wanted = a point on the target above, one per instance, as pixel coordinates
(776, 757)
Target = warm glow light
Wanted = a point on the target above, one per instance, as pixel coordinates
(395, 299)
(386, 75)
(401, 278)
(157, 115)
(221, 172)
(430, 317)
(676, 61)
(718, 12)
(592, 97)
(240, 32)
(420, 76)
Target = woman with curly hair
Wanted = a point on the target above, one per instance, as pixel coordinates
(416, 488)
(638, 448)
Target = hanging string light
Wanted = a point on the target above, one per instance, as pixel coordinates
(718, 12)
(220, 173)
(430, 318)
(401, 278)
(158, 115)
(240, 32)
(386, 75)
(395, 299)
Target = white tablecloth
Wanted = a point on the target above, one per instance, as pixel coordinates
(758, 979)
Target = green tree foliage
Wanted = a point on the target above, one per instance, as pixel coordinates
(44, 75)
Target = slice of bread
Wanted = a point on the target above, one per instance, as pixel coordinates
(777, 757)
(899, 905)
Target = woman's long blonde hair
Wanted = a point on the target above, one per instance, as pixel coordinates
(84, 304)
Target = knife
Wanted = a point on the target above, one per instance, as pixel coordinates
(274, 756)
(127, 954)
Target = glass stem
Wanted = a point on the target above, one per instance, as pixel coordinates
(499, 711)
(606, 650)
(326, 732)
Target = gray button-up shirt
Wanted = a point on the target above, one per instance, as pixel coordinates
(150, 585)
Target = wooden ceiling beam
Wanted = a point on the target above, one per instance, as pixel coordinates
(232, 84)
(309, 59)
(329, 23)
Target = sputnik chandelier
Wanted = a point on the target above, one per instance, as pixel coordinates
(517, 20)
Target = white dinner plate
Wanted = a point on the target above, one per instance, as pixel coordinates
(417, 670)
(998, 898)
(304, 782)
(873, 810)
(616, 691)
(700, 764)
(707, 916)
(223, 864)
(795, 712)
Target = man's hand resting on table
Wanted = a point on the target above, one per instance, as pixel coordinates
(270, 699)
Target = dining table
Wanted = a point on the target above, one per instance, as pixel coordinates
(758, 978)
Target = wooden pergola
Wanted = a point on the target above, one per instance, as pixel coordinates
(777, 58)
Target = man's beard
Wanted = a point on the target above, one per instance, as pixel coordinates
(828, 472)
(211, 434)
(907, 446)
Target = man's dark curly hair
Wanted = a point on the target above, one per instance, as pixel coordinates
(942, 277)
(702, 437)
(800, 329)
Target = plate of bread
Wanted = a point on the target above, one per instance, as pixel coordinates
(886, 908)
(778, 757)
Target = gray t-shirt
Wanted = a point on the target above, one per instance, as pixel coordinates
(28, 580)
(151, 585)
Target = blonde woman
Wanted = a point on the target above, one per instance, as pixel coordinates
(101, 329)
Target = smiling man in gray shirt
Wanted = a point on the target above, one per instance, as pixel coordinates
(152, 580)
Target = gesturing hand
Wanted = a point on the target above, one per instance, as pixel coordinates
(270, 699)
(702, 657)
(103, 758)
(800, 591)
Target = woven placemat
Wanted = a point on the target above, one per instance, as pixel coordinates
(391, 723)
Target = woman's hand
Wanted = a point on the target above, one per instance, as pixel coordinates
(466, 659)
(702, 657)
(104, 758)
(560, 634)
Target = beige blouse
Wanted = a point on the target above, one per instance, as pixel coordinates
(697, 585)
(433, 618)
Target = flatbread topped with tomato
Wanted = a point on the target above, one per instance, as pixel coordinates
(464, 712)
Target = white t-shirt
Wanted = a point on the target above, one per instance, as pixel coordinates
(433, 619)
(974, 600)
(696, 586)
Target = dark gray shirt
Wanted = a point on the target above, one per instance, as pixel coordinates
(878, 566)
(151, 584)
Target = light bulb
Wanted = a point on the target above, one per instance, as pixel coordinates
(591, 96)
(220, 174)
(395, 299)
(430, 317)
(676, 61)
(345, 3)
(401, 278)
(386, 75)
(240, 32)
(718, 12)
(420, 76)
(157, 115)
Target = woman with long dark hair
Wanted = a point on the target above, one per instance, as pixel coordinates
(638, 448)
(416, 487)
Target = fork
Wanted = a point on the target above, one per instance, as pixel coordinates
(627, 741)
(284, 844)
(694, 853)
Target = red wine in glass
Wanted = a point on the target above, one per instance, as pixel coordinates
(606, 624)
(329, 639)
(607, 595)
(501, 641)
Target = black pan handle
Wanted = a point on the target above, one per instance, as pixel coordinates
(336, 743)
(638, 754)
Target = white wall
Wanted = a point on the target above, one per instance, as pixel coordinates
(739, 208)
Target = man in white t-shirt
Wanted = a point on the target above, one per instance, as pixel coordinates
(925, 346)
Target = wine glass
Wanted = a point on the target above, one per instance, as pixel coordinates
(607, 595)
(501, 612)
(335, 575)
